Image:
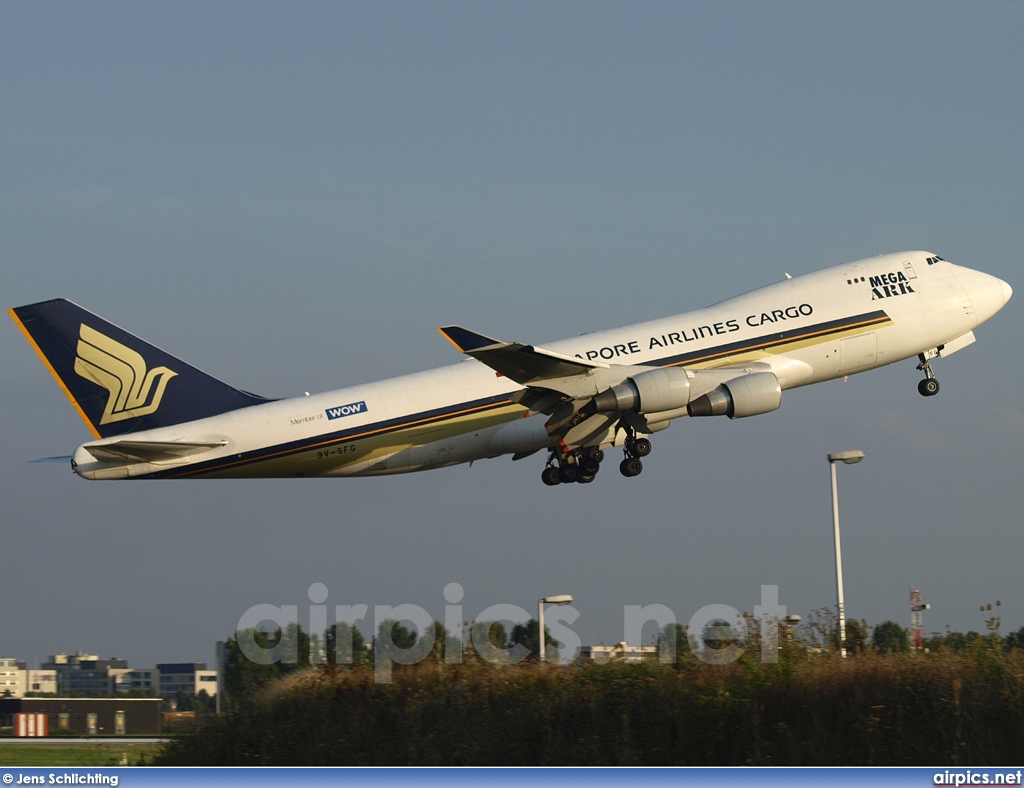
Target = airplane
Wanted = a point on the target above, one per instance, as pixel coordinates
(155, 417)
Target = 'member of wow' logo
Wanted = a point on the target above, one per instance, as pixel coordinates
(135, 391)
(346, 410)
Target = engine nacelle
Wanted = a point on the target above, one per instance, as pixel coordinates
(648, 392)
(748, 395)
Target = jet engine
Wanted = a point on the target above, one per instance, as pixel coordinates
(747, 395)
(652, 391)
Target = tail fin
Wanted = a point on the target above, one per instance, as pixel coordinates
(117, 382)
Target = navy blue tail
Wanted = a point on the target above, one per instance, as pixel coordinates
(117, 382)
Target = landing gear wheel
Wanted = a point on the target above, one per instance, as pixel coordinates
(928, 387)
(550, 476)
(590, 466)
(594, 454)
(630, 467)
(585, 478)
(641, 447)
(568, 473)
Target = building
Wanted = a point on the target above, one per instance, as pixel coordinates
(10, 678)
(619, 652)
(93, 716)
(188, 677)
(17, 682)
(38, 682)
(138, 682)
(67, 661)
(86, 675)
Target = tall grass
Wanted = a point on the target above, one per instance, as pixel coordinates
(872, 709)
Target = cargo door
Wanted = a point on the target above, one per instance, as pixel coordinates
(858, 352)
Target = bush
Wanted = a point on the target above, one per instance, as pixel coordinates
(872, 709)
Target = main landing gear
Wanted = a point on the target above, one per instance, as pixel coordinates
(582, 465)
(635, 449)
(928, 387)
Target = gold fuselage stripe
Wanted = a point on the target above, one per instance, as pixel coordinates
(332, 441)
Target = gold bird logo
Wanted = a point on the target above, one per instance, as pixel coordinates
(122, 372)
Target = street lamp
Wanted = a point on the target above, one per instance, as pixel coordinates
(847, 458)
(560, 599)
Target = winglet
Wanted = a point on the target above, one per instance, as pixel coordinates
(465, 340)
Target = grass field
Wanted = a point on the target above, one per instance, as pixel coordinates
(77, 754)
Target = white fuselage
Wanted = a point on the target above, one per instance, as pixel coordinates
(827, 324)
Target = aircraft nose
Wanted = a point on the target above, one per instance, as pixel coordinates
(988, 294)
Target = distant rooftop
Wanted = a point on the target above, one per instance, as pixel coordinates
(180, 667)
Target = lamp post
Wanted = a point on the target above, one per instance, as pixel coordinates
(847, 458)
(560, 599)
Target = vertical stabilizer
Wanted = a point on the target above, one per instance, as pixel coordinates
(117, 382)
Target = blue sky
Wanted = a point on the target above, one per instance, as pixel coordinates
(292, 197)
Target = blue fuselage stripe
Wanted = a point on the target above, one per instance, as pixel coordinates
(332, 438)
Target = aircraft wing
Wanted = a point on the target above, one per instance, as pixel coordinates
(149, 451)
(525, 364)
(560, 386)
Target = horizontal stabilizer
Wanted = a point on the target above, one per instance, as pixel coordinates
(149, 451)
(53, 459)
(524, 364)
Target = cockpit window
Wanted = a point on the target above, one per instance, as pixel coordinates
(936, 259)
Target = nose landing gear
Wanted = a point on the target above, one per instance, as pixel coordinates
(928, 387)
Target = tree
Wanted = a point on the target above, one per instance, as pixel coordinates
(489, 640)
(675, 638)
(495, 631)
(399, 635)
(244, 678)
(444, 643)
(528, 635)
(856, 636)
(393, 637)
(958, 641)
(203, 703)
(345, 645)
(718, 634)
(890, 638)
(296, 642)
(1014, 640)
